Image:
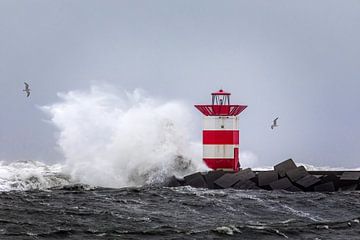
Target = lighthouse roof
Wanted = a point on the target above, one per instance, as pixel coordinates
(221, 92)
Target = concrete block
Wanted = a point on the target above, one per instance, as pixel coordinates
(325, 187)
(173, 182)
(246, 185)
(308, 181)
(195, 180)
(255, 179)
(246, 174)
(352, 187)
(293, 189)
(191, 176)
(331, 177)
(347, 183)
(212, 176)
(296, 173)
(229, 179)
(267, 177)
(284, 166)
(225, 181)
(350, 176)
(283, 183)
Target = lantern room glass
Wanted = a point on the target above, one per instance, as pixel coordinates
(220, 100)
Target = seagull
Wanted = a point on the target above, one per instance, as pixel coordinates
(27, 89)
(274, 123)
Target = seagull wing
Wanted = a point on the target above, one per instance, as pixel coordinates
(26, 85)
(27, 93)
(275, 120)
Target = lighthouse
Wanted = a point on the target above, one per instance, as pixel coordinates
(221, 132)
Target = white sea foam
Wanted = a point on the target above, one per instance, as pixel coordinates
(310, 167)
(28, 175)
(116, 138)
(228, 230)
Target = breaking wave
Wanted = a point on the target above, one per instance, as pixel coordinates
(116, 138)
(30, 175)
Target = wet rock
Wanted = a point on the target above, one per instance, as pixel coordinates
(173, 182)
(296, 173)
(331, 177)
(284, 166)
(212, 176)
(195, 180)
(267, 177)
(350, 176)
(308, 181)
(294, 189)
(325, 187)
(229, 179)
(245, 185)
(283, 184)
(352, 187)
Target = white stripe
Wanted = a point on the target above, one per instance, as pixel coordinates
(221, 123)
(219, 151)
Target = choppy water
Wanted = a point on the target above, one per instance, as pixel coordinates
(177, 213)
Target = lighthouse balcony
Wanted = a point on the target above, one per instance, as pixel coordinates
(220, 110)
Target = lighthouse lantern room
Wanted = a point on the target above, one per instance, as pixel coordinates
(221, 132)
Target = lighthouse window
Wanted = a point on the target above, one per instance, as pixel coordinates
(220, 100)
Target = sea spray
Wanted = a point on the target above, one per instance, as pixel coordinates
(30, 175)
(117, 138)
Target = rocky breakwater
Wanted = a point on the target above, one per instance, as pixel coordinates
(285, 176)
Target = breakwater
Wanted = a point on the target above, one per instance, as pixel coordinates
(284, 176)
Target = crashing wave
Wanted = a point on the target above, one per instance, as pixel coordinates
(30, 175)
(113, 138)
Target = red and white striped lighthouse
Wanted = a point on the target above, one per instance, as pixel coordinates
(221, 132)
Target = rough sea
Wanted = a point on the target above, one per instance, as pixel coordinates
(30, 208)
(112, 140)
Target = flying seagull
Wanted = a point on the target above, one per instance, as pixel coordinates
(274, 123)
(27, 89)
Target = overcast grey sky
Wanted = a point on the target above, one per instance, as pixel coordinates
(299, 60)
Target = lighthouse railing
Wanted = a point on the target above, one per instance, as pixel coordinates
(220, 110)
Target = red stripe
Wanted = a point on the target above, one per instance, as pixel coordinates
(221, 137)
(221, 163)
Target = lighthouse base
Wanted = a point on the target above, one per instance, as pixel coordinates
(285, 176)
